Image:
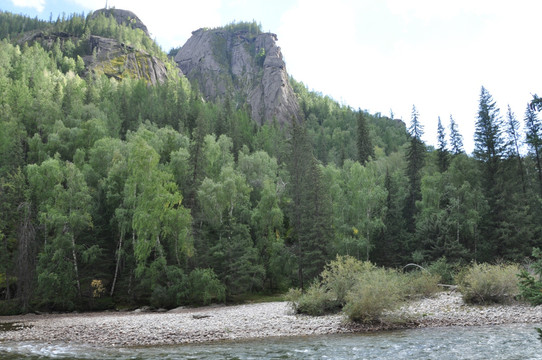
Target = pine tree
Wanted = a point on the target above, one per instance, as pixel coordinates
(310, 215)
(442, 151)
(533, 127)
(488, 142)
(488, 150)
(365, 146)
(415, 159)
(513, 143)
(456, 139)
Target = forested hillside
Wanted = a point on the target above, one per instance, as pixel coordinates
(117, 191)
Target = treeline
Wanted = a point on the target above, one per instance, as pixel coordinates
(116, 193)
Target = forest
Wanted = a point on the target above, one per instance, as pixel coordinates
(115, 193)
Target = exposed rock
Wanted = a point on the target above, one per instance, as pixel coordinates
(115, 59)
(242, 66)
(123, 17)
(46, 40)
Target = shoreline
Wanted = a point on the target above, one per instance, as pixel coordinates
(245, 322)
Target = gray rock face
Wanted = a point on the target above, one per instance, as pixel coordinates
(244, 67)
(118, 60)
(123, 17)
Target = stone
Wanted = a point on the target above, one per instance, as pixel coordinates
(118, 60)
(243, 67)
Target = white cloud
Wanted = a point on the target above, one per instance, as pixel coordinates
(38, 5)
(428, 53)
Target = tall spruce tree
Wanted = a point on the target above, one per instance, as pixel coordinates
(513, 140)
(533, 127)
(456, 139)
(310, 212)
(415, 159)
(489, 150)
(364, 144)
(488, 141)
(442, 151)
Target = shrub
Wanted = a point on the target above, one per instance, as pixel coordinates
(420, 284)
(340, 275)
(530, 284)
(315, 301)
(445, 270)
(374, 292)
(484, 283)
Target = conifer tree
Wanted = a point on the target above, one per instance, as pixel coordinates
(442, 151)
(489, 150)
(415, 159)
(310, 215)
(488, 142)
(533, 127)
(456, 139)
(513, 139)
(365, 146)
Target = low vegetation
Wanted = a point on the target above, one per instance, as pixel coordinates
(485, 283)
(530, 280)
(364, 291)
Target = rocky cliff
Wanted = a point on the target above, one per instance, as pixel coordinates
(244, 65)
(118, 60)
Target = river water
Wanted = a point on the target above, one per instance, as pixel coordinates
(491, 342)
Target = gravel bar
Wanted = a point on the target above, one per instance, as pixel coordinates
(251, 321)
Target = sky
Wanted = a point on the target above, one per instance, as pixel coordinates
(383, 56)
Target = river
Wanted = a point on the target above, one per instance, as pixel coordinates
(518, 341)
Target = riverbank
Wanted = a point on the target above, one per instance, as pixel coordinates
(250, 321)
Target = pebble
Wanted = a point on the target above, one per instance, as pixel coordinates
(248, 322)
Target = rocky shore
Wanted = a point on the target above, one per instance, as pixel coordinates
(244, 322)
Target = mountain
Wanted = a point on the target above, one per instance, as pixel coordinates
(244, 64)
(122, 17)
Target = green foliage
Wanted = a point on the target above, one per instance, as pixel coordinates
(444, 270)
(485, 283)
(362, 290)
(530, 284)
(204, 287)
(374, 293)
(138, 185)
(340, 276)
(420, 284)
(316, 300)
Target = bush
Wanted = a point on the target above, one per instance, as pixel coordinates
(315, 301)
(530, 283)
(374, 292)
(445, 270)
(340, 276)
(484, 283)
(420, 284)
(361, 289)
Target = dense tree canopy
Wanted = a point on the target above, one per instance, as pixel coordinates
(118, 192)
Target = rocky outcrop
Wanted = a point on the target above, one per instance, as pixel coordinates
(125, 17)
(118, 60)
(243, 66)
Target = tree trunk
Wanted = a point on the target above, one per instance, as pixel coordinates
(117, 266)
(75, 267)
